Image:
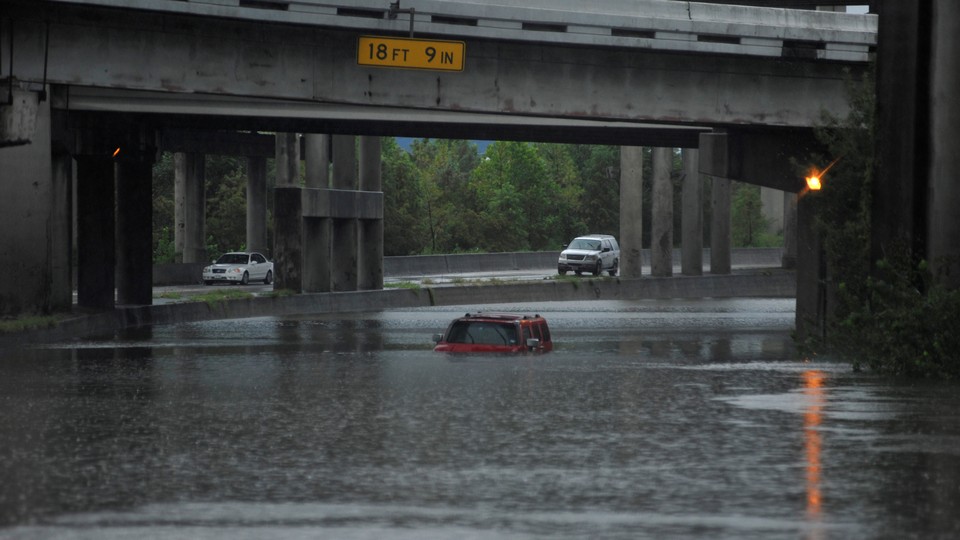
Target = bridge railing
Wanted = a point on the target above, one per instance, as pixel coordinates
(642, 24)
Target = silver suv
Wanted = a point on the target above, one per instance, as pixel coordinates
(594, 253)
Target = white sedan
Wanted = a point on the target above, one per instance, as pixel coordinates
(239, 267)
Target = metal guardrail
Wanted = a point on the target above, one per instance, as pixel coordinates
(641, 24)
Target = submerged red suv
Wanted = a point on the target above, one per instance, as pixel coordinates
(495, 333)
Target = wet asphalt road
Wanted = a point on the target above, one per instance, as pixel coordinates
(667, 419)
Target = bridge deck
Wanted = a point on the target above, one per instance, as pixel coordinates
(644, 24)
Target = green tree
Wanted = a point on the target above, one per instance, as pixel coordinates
(404, 213)
(895, 317)
(599, 172)
(226, 215)
(748, 226)
(451, 208)
(561, 167)
(517, 199)
(163, 210)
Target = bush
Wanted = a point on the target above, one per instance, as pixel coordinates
(903, 329)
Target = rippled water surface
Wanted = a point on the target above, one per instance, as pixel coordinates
(668, 419)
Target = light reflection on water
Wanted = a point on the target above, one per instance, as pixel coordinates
(689, 419)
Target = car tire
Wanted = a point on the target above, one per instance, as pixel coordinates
(269, 278)
(599, 269)
(245, 279)
(562, 272)
(578, 272)
(208, 283)
(614, 269)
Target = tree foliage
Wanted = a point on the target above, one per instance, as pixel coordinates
(891, 316)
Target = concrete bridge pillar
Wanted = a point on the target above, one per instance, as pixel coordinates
(61, 227)
(901, 167)
(287, 215)
(317, 231)
(944, 193)
(720, 244)
(371, 230)
(257, 205)
(661, 237)
(134, 181)
(35, 213)
(631, 211)
(715, 161)
(189, 236)
(811, 270)
(344, 276)
(96, 230)
(691, 215)
(789, 258)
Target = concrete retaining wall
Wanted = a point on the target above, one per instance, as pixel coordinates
(429, 265)
(759, 283)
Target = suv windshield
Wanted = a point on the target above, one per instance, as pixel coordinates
(487, 333)
(585, 243)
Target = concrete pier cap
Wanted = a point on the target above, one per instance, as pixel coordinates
(18, 114)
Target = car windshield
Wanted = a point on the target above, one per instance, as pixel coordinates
(585, 243)
(487, 333)
(232, 258)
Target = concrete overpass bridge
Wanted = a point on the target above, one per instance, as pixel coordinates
(85, 77)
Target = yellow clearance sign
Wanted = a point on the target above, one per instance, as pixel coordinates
(411, 53)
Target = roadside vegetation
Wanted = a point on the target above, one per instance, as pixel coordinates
(891, 315)
(32, 322)
(213, 298)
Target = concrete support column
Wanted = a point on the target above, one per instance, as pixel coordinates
(344, 276)
(811, 275)
(96, 226)
(61, 231)
(789, 258)
(661, 237)
(631, 211)
(134, 183)
(691, 234)
(190, 206)
(715, 162)
(903, 99)
(944, 194)
(317, 231)
(257, 205)
(370, 238)
(720, 227)
(288, 215)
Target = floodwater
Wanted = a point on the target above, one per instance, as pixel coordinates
(666, 419)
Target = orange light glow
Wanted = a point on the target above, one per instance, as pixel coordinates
(117, 151)
(815, 180)
(815, 395)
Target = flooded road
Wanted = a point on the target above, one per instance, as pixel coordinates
(666, 419)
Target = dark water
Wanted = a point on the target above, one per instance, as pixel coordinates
(684, 419)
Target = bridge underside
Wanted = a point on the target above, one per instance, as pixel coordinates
(191, 56)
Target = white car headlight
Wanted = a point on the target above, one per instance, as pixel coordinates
(590, 258)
